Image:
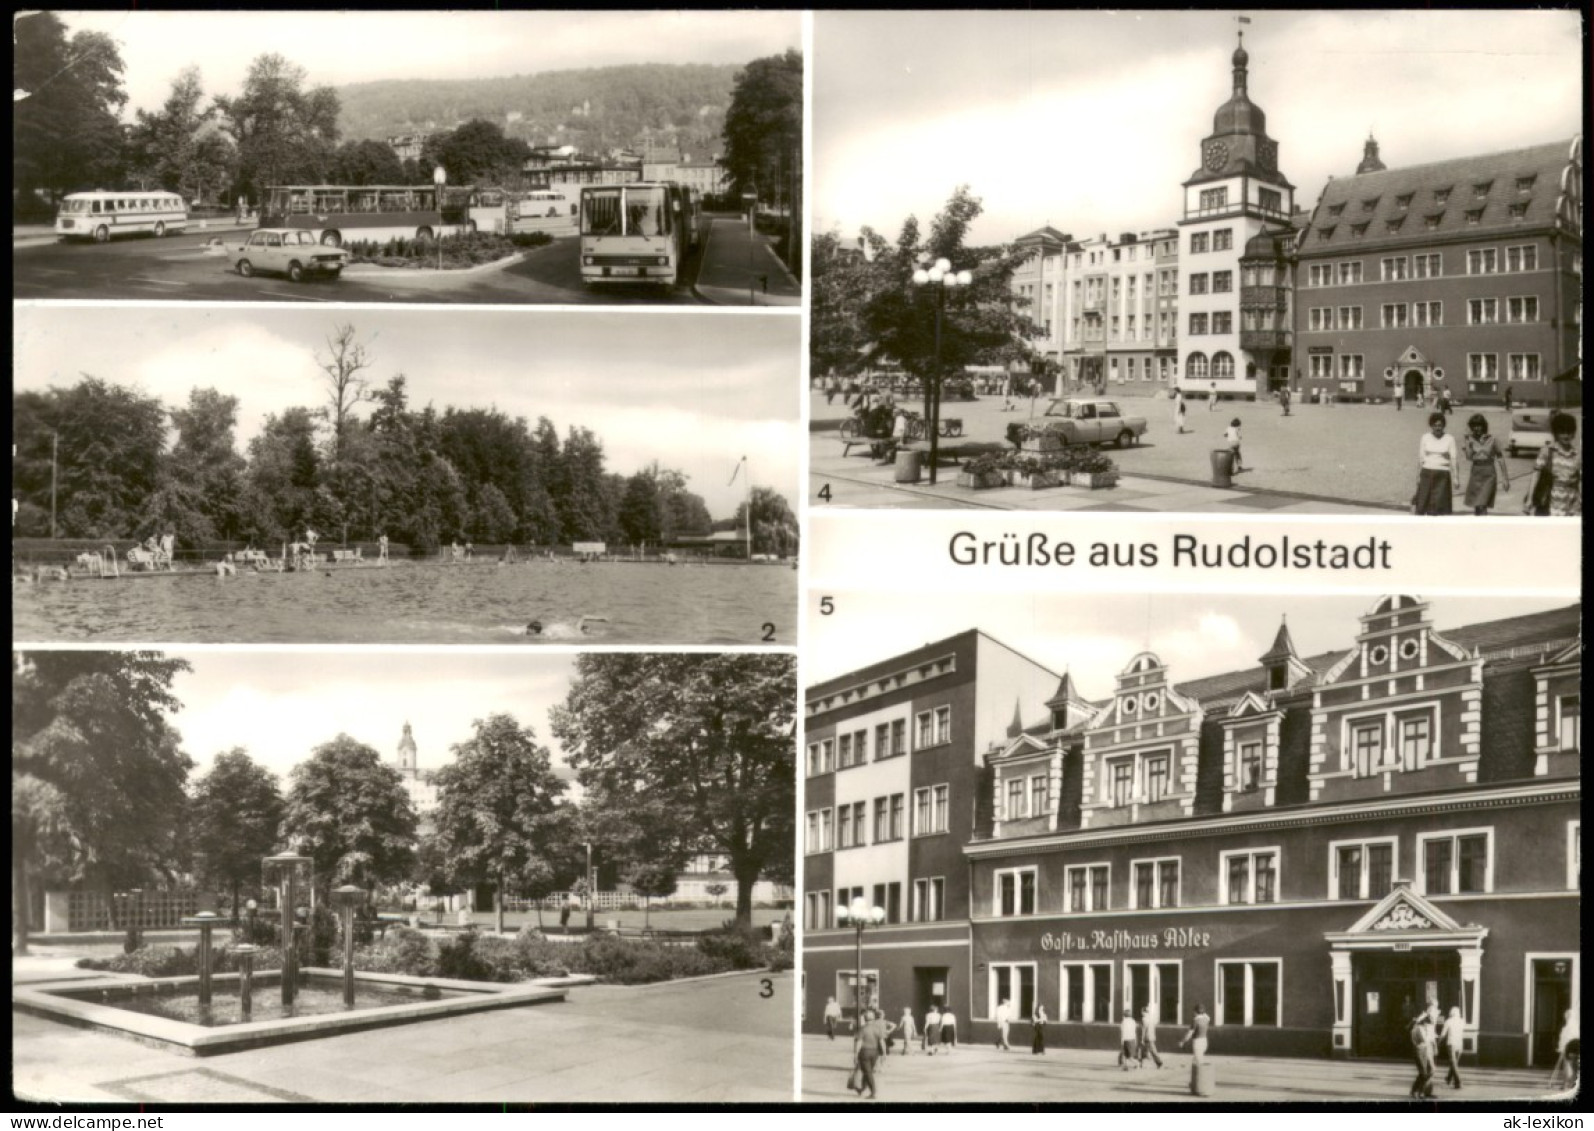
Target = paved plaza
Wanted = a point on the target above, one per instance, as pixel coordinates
(971, 1074)
(1321, 459)
(711, 1040)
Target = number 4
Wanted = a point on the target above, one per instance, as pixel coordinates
(824, 493)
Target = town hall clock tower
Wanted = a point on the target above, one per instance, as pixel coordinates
(1233, 286)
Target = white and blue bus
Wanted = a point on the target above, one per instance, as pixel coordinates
(100, 215)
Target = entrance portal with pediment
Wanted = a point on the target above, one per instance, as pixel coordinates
(1396, 960)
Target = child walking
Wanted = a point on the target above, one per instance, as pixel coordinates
(1231, 434)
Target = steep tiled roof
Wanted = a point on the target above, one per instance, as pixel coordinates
(1414, 198)
(1519, 632)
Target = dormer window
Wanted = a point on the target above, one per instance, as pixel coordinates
(1519, 211)
(1250, 766)
(1474, 216)
(1481, 190)
(1525, 184)
(1371, 204)
(1392, 227)
(1441, 197)
(1403, 201)
(1336, 210)
(1326, 234)
(1432, 221)
(1357, 231)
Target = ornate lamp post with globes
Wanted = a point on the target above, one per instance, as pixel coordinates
(859, 914)
(940, 276)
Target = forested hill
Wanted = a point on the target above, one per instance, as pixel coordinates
(650, 103)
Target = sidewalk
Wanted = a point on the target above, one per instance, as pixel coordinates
(739, 268)
(1085, 1076)
(857, 480)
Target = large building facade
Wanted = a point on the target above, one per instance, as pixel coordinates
(1313, 848)
(893, 789)
(1462, 275)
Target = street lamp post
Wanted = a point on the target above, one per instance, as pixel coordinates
(859, 914)
(941, 276)
(439, 178)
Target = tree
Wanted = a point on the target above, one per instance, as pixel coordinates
(701, 745)
(65, 130)
(284, 475)
(97, 770)
(283, 133)
(350, 813)
(200, 494)
(479, 153)
(844, 280)
(716, 889)
(367, 162)
(774, 527)
(639, 517)
(764, 128)
(235, 816)
(651, 881)
(495, 804)
(346, 387)
(180, 147)
(585, 513)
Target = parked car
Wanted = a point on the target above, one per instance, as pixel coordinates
(293, 252)
(1530, 430)
(1092, 420)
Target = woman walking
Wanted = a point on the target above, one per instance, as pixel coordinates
(1451, 1040)
(1179, 411)
(1422, 1051)
(1436, 466)
(1561, 461)
(1037, 1044)
(1483, 456)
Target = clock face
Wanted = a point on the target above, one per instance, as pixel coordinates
(1217, 154)
(1268, 154)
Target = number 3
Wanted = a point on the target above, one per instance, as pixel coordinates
(768, 988)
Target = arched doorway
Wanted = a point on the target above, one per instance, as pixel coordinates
(1415, 384)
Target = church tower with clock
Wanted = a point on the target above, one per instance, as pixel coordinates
(1233, 271)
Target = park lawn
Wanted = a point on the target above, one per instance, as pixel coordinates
(660, 918)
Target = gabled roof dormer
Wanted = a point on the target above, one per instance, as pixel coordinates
(1067, 706)
(1141, 749)
(1284, 667)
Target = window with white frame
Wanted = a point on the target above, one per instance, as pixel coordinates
(1351, 367)
(1198, 323)
(1428, 313)
(929, 898)
(1120, 781)
(1157, 777)
(943, 725)
(1320, 275)
(821, 757)
(1040, 787)
(1320, 318)
(1199, 283)
(1014, 892)
(1483, 311)
(1524, 367)
(1362, 869)
(1222, 322)
(1214, 198)
(1456, 863)
(1222, 282)
(817, 907)
(1366, 746)
(1249, 770)
(1483, 261)
(819, 826)
(1523, 308)
(1200, 242)
(1270, 200)
(1483, 367)
(852, 829)
(1350, 272)
(1248, 876)
(1014, 983)
(1016, 796)
(1349, 318)
(1415, 734)
(1392, 268)
(1569, 722)
(1087, 991)
(929, 810)
(1525, 258)
(852, 749)
(1427, 266)
(1322, 366)
(923, 730)
(1394, 315)
(1248, 992)
(1223, 239)
(1155, 883)
(1087, 886)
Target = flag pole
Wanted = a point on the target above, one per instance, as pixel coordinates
(747, 510)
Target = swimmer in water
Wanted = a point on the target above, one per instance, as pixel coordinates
(534, 628)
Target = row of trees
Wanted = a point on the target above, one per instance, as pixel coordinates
(866, 311)
(100, 451)
(677, 754)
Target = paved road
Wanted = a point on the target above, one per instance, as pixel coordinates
(734, 268)
(1082, 1076)
(1356, 455)
(712, 1041)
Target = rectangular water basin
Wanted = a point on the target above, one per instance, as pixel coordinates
(166, 1011)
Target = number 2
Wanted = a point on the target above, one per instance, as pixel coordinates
(769, 631)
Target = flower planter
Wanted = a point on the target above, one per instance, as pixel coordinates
(1040, 480)
(1047, 443)
(1095, 480)
(981, 481)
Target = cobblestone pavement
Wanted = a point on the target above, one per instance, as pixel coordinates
(716, 1040)
(1084, 1076)
(1357, 456)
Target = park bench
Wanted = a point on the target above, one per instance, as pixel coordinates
(345, 556)
(877, 445)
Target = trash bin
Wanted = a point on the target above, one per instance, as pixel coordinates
(909, 463)
(1201, 1079)
(1222, 467)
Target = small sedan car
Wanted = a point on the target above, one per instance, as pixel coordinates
(1092, 420)
(1530, 430)
(293, 252)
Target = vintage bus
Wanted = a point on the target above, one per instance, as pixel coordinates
(535, 210)
(634, 233)
(99, 215)
(352, 213)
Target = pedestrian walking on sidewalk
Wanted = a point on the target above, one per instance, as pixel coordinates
(1451, 1038)
(1148, 1037)
(832, 1017)
(1004, 1018)
(1484, 457)
(1179, 411)
(1437, 460)
(1212, 398)
(868, 1047)
(949, 1030)
(932, 1030)
(1422, 1052)
(1231, 436)
(1284, 399)
(1037, 1044)
(1196, 1036)
(1128, 1040)
(907, 1030)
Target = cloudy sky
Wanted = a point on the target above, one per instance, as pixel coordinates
(695, 392)
(336, 48)
(1095, 637)
(280, 706)
(1091, 121)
